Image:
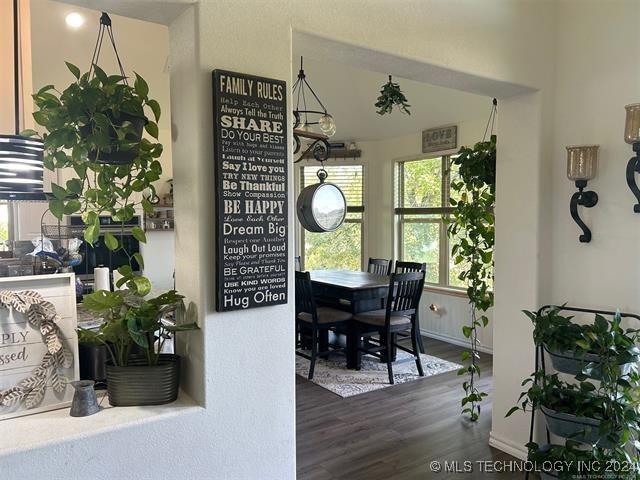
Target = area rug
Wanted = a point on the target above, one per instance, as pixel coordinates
(333, 374)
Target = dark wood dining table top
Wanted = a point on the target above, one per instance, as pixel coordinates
(349, 279)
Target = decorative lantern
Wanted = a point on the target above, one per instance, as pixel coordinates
(582, 162)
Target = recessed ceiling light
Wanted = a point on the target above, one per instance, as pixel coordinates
(74, 20)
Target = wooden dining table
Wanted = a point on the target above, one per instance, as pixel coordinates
(354, 292)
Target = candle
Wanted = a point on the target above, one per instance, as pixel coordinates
(582, 162)
(632, 124)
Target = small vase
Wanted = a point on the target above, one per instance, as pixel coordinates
(84, 401)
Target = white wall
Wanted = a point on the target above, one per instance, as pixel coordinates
(247, 429)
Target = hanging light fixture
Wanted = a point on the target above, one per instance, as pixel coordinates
(21, 158)
(306, 118)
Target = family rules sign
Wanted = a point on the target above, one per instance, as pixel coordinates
(250, 140)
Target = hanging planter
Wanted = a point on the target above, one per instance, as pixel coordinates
(321, 207)
(391, 95)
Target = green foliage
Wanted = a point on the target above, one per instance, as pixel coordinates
(391, 95)
(605, 338)
(130, 319)
(613, 400)
(472, 230)
(573, 462)
(86, 121)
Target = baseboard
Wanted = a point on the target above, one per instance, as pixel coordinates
(514, 449)
(455, 341)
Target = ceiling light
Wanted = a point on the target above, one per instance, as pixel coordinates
(74, 20)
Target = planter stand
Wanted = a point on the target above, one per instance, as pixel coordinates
(562, 424)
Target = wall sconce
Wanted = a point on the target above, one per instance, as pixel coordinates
(582, 161)
(632, 136)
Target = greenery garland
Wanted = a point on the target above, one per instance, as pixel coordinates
(472, 231)
(390, 95)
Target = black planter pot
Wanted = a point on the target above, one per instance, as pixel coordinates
(142, 384)
(119, 157)
(92, 359)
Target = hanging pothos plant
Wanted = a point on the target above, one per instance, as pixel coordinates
(391, 95)
(471, 229)
(93, 117)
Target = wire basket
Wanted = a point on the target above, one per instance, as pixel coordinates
(61, 232)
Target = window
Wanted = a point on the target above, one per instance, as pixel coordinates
(4, 226)
(341, 249)
(422, 208)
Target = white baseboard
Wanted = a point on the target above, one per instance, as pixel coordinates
(455, 341)
(508, 446)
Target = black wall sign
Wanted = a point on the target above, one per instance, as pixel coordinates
(250, 129)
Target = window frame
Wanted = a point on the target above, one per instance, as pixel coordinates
(350, 209)
(443, 212)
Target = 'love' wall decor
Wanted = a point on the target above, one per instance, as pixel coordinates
(38, 344)
(250, 130)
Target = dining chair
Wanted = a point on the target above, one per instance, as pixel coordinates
(405, 267)
(314, 319)
(298, 263)
(379, 266)
(399, 316)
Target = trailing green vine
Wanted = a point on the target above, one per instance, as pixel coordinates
(471, 229)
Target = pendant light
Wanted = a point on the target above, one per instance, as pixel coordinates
(308, 117)
(21, 158)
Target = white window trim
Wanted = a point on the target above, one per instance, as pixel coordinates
(299, 231)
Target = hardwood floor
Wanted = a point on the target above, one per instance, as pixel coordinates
(395, 432)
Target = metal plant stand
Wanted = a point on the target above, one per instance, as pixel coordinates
(540, 361)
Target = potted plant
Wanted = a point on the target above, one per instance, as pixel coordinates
(583, 412)
(92, 356)
(153, 377)
(581, 349)
(94, 128)
(569, 462)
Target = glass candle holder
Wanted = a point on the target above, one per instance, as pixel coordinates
(582, 162)
(632, 124)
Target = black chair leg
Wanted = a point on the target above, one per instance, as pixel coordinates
(414, 344)
(389, 339)
(314, 352)
(420, 344)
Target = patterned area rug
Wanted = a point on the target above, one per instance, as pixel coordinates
(333, 374)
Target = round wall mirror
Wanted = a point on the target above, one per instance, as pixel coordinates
(321, 207)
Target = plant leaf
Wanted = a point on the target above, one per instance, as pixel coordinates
(139, 234)
(73, 69)
(110, 241)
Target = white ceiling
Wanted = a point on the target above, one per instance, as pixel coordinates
(349, 94)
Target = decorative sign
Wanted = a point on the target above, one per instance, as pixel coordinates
(440, 139)
(38, 345)
(250, 130)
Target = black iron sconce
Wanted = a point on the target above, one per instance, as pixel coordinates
(582, 161)
(632, 136)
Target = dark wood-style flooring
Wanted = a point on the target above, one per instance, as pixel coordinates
(396, 432)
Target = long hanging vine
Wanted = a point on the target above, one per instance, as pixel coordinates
(471, 229)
